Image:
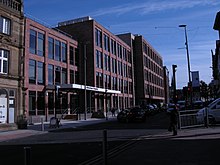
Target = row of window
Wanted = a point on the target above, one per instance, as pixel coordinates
(108, 82)
(56, 74)
(152, 78)
(111, 65)
(152, 66)
(150, 53)
(154, 91)
(57, 50)
(37, 103)
(110, 45)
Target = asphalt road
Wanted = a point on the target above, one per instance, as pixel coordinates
(128, 143)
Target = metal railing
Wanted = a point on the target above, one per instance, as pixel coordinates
(188, 119)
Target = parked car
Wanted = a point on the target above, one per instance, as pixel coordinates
(171, 106)
(132, 114)
(213, 111)
(123, 115)
(198, 104)
(182, 104)
(137, 114)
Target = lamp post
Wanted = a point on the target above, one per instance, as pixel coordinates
(188, 61)
(174, 84)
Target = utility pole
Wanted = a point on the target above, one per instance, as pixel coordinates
(188, 61)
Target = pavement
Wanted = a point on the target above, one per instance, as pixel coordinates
(96, 135)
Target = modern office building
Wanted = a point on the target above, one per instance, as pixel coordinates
(148, 70)
(51, 60)
(108, 63)
(11, 61)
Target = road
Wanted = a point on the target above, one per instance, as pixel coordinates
(128, 143)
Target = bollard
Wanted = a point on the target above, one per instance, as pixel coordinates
(27, 155)
(207, 117)
(42, 124)
(104, 147)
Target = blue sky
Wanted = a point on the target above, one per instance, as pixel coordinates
(156, 20)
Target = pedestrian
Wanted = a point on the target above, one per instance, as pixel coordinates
(113, 112)
(173, 113)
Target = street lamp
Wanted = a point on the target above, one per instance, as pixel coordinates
(174, 84)
(188, 61)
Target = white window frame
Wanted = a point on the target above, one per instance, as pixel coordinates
(5, 25)
(2, 60)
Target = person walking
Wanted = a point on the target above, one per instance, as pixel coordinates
(113, 112)
(173, 112)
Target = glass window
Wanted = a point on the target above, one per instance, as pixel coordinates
(32, 103)
(71, 76)
(71, 55)
(64, 52)
(76, 77)
(77, 57)
(106, 42)
(40, 103)
(57, 50)
(33, 42)
(32, 71)
(50, 74)
(50, 103)
(4, 55)
(40, 44)
(5, 25)
(64, 75)
(57, 75)
(40, 73)
(113, 47)
(50, 48)
(98, 38)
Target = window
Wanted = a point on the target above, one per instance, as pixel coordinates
(71, 55)
(113, 47)
(71, 76)
(57, 50)
(50, 48)
(64, 52)
(40, 103)
(99, 63)
(99, 79)
(32, 103)
(5, 25)
(76, 77)
(4, 55)
(77, 57)
(50, 74)
(98, 38)
(32, 71)
(40, 73)
(57, 75)
(33, 41)
(106, 42)
(40, 44)
(50, 103)
(64, 75)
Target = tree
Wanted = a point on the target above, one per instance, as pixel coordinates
(204, 90)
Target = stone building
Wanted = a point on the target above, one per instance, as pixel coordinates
(11, 61)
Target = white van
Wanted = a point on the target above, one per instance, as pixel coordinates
(213, 111)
